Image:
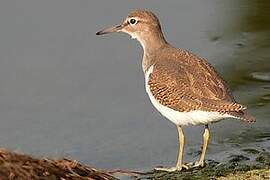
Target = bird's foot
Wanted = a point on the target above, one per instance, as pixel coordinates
(198, 164)
(172, 169)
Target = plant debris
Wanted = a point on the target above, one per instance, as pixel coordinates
(18, 166)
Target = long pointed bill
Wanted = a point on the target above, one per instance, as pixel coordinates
(116, 28)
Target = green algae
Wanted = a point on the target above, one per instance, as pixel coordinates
(237, 164)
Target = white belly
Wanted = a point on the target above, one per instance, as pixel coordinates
(183, 118)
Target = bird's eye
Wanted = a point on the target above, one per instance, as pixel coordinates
(132, 21)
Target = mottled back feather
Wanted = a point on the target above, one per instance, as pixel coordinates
(185, 82)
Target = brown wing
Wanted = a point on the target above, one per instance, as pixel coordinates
(186, 87)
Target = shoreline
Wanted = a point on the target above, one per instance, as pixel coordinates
(20, 166)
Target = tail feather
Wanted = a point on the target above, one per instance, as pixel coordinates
(243, 115)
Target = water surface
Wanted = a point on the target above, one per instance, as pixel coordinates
(66, 92)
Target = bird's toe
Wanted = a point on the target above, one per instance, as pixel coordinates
(172, 169)
(198, 164)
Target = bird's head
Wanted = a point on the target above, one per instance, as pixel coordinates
(139, 24)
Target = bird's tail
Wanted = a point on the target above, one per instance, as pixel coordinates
(243, 115)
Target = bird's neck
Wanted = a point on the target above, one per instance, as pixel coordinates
(152, 43)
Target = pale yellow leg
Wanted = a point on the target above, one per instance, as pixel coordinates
(179, 165)
(206, 136)
(181, 139)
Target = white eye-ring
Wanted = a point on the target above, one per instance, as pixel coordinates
(132, 21)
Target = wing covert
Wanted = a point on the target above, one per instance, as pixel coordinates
(185, 88)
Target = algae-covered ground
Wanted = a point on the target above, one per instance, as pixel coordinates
(250, 164)
(250, 175)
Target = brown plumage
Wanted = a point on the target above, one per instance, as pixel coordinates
(185, 82)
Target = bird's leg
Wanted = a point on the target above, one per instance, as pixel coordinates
(206, 136)
(181, 139)
(179, 165)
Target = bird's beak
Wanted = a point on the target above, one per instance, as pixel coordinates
(116, 28)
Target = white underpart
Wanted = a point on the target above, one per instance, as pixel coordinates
(182, 118)
(135, 36)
